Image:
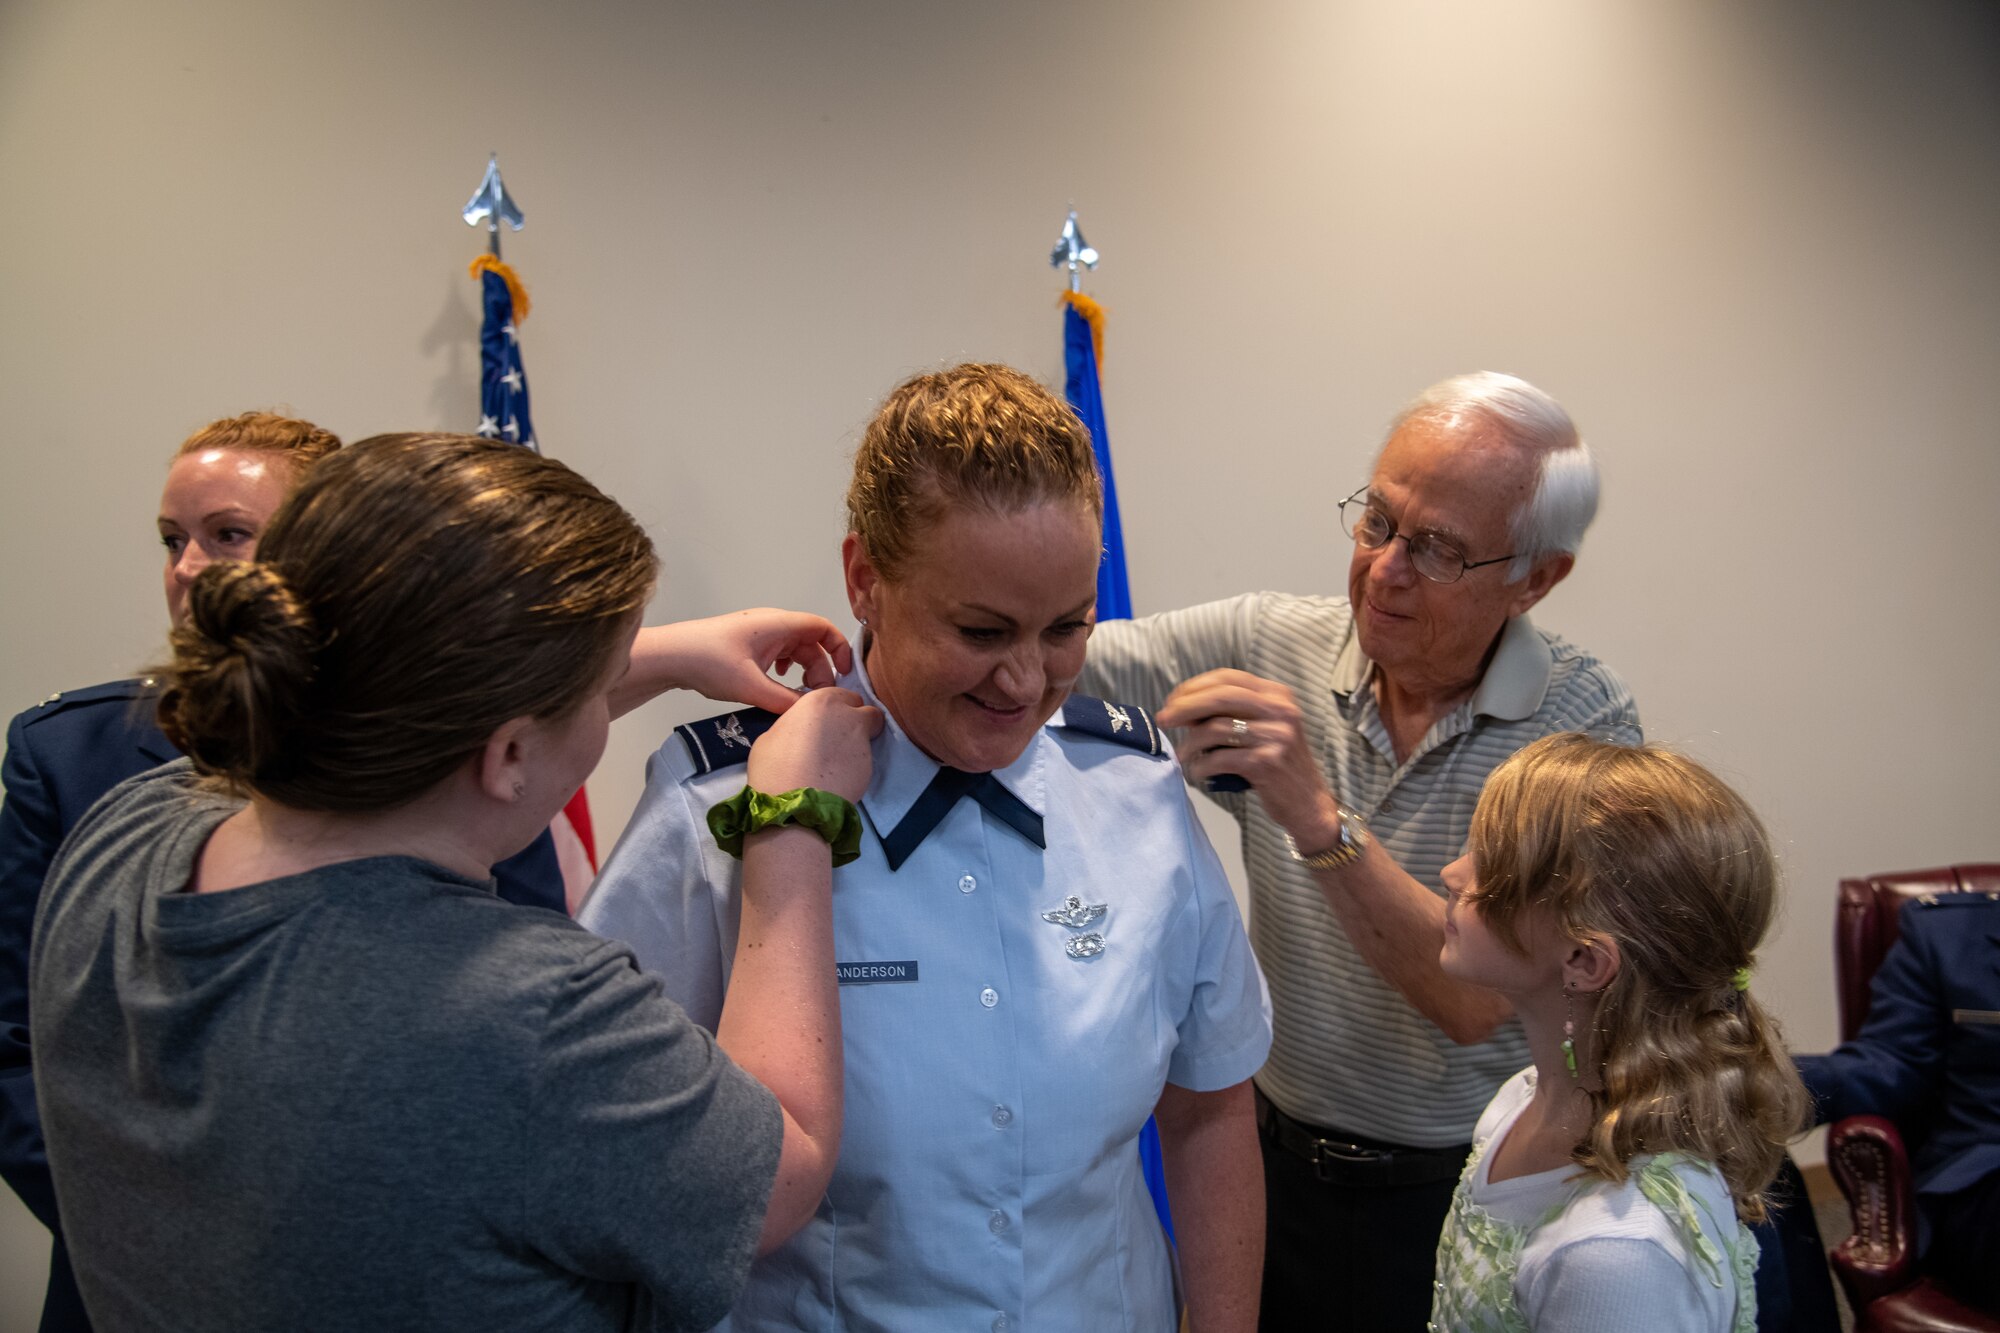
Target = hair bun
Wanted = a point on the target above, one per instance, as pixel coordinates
(243, 660)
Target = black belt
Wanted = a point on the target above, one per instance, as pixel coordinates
(1338, 1160)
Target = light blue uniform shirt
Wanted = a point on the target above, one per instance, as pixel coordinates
(989, 1175)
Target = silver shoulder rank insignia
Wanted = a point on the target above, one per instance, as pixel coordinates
(1084, 946)
(1076, 914)
(716, 743)
(1126, 725)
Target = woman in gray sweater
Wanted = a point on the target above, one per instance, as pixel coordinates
(299, 1067)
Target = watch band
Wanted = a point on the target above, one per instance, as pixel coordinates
(1354, 838)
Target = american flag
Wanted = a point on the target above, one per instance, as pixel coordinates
(503, 415)
(503, 380)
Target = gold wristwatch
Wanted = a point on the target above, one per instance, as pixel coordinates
(1354, 837)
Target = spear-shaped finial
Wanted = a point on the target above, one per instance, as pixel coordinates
(1075, 252)
(491, 204)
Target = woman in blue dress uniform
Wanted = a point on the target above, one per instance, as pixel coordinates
(225, 482)
(1036, 948)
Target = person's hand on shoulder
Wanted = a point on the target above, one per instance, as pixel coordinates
(730, 658)
(821, 741)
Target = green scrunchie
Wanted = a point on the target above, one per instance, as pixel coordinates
(749, 811)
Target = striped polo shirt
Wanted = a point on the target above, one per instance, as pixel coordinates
(1349, 1050)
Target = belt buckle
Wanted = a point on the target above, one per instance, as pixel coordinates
(1345, 1154)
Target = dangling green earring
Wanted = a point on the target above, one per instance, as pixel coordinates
(1569, 1032)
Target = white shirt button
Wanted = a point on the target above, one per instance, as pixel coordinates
(966, 884)
(1002, 1117)
(989, 997)
(997, 1223)
(1000, 1323)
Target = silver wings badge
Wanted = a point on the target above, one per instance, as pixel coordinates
(1074, 913)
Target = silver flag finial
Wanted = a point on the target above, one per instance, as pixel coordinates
(492, 205)
(1073, 252)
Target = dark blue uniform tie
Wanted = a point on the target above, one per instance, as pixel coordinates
(938, 799)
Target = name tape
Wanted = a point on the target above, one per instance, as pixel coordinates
(870, 974)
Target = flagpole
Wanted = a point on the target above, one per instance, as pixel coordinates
(1083, 350)
(503, 383)
(504, 414)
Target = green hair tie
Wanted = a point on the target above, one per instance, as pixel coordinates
(1741, 978)
(751, 811)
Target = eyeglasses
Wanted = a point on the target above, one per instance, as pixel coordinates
(1432, 556)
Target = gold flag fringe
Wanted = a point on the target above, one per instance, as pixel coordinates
(1094, 314)
(487, 263)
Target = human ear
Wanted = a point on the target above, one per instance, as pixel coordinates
(1547, 572)
(864, 581)
(1592, 965)
(501, 765)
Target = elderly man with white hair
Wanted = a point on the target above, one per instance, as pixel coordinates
(1365, 726)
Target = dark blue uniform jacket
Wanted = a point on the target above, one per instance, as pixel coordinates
(1929, 1054)
(61, 756)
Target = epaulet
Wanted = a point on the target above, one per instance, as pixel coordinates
(117, 691)
(1971, 898)
(725, 741)
(1121, 724)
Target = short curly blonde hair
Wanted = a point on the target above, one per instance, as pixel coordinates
(976, 435)
(301, 443)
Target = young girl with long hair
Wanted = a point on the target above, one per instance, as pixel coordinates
(1616, 895)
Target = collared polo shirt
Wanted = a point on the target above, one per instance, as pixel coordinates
(996, 1082)
(1349, 1051)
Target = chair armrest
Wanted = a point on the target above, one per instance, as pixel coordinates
(1866, 1157)
(1923, 1308)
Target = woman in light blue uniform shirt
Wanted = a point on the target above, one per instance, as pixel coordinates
(1037, 947)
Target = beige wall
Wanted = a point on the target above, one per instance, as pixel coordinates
(1750, 246)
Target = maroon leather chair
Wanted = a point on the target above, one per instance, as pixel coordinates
(1877, 1265)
